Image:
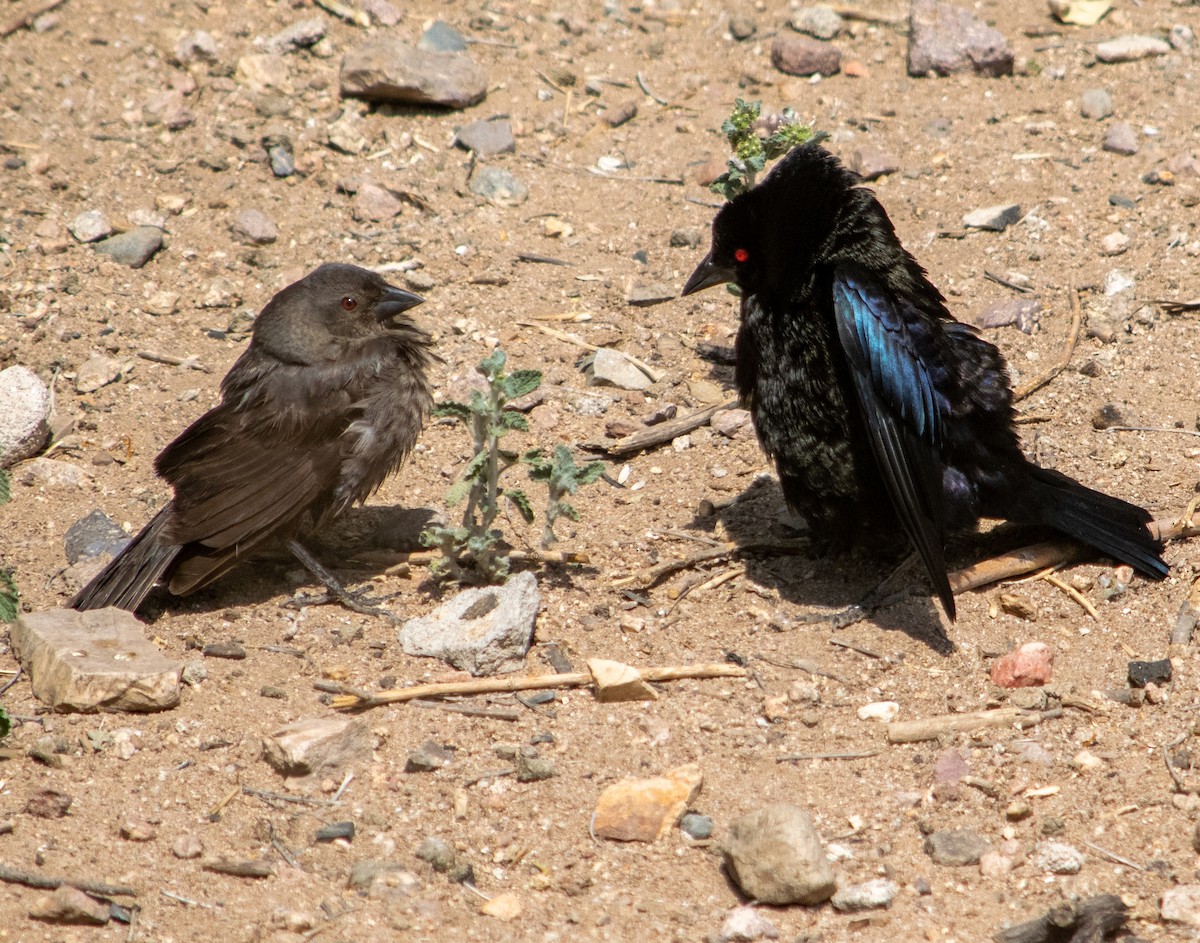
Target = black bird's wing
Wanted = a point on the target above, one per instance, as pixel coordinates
(902, 409)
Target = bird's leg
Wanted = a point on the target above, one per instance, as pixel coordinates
(354, 601)
(875, 600)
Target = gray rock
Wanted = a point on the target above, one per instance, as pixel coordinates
(429, 757)
(1096, 104)
(333, 831)
(442, 37)
(23, 426)
(1121, 139)
(617, 115)
(532, 768)
(730, 422)
(383, 12)
(795, 55)
(487, 137)
(698, 827)
(996, 218)
(283, 161)
(96, 535)
(300, 35)
(90, 226)
(95, 372)
(946, 40)
(956, 847)
(820, 22)
(315, 746)
(438, 852)
(93, 661)
(255, 227)
(483, 631)
(1129, 48)
(645, 294)
(742, 27)
(1181, 904)
(134, 248)
(871, 163)
(345, 132)
(775, 856)
(52, 473)
(381, 879)
(612, 368)
(196, 46)
(497, 185)
(1056, 857)
(389, 70)
(746, 924)
(870, 895)
(685, 238)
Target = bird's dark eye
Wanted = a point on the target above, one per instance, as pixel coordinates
(349, 303)
(740, 255)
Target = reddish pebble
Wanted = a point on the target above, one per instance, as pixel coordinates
(856, 70)
(1028, 666)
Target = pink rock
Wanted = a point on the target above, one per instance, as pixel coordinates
(796, 55)
(1028, 666)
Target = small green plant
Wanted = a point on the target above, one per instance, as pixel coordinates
(751, 151)
(474, 550)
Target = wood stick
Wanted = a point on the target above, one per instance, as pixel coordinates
(337, 8)
(1049, 554)
(575, 679)
(492, 713)
(798, 757)
(1064, 358)
(42, 881)
(658, 435)
(930, 728)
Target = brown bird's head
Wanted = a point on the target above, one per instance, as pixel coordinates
(331, 304)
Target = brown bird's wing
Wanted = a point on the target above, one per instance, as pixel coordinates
(249, 470)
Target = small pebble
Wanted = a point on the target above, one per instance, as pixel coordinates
(695, 826)
(1121, 139)
(1056, 857)
(870, 895)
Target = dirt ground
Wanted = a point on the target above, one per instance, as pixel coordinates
(74, 131)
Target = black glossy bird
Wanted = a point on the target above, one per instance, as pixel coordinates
(878, 407)
(323, 405)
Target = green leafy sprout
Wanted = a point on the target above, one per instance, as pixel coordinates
(473, 551)
(751, 151)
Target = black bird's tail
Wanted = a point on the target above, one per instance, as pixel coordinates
(130, 575)
(1109, 524)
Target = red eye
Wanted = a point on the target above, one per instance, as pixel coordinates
(349, 303)
(740, 255)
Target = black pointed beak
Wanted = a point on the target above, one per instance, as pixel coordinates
(394, 301)
(707, 274)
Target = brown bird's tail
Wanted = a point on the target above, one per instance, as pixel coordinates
(1112, 526)
(130, 575)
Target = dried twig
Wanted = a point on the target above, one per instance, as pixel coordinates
(471, 710)
(346, 12)
(30, 879)
(930, 728)
(1112, 856)
(1001, 280)
(645, 88)
(659, 434)
(191, 361)
(798, 757)
(282, 797)
(23, 20)
(842, 643)
(1172, 430)
(1074, 594)
(1065, 358)
(651, 577)
(654, 375)
(576, 679)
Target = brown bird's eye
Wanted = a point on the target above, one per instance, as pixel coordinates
(349, 303)
(740, 255)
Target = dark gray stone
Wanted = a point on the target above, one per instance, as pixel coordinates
(487, 137)
(134, 248)
(497, 185)
(94, 536)
(696, 826)
(946, 40)
(428, 757)
(438, 852)
(1142, 673)
(333, 831)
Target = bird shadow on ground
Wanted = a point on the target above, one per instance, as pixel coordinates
(345, 545)
(832, 582)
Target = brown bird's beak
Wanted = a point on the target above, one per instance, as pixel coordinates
(706, 275)
(394, 301)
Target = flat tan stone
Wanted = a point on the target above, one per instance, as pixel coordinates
(646, 809)
(504, 907)
(94, 661)
(619, 682)
(314, 745)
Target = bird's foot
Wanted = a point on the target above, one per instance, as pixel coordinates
(357, 601)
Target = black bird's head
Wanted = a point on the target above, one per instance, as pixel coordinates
(763, 238)
(331, 303)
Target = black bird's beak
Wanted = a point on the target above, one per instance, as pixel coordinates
(707, 274)
(394, 301)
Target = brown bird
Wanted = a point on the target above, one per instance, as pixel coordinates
(323, 405)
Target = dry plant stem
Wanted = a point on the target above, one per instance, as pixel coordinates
(577, 679)
(1074, 594)
(397, 563)
(30, 879)
(1065, 358)
(648, 578)
(339, 9)
(798, 757)
(660, 434)
(654, 375)
(492, 713)
(930, 728)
